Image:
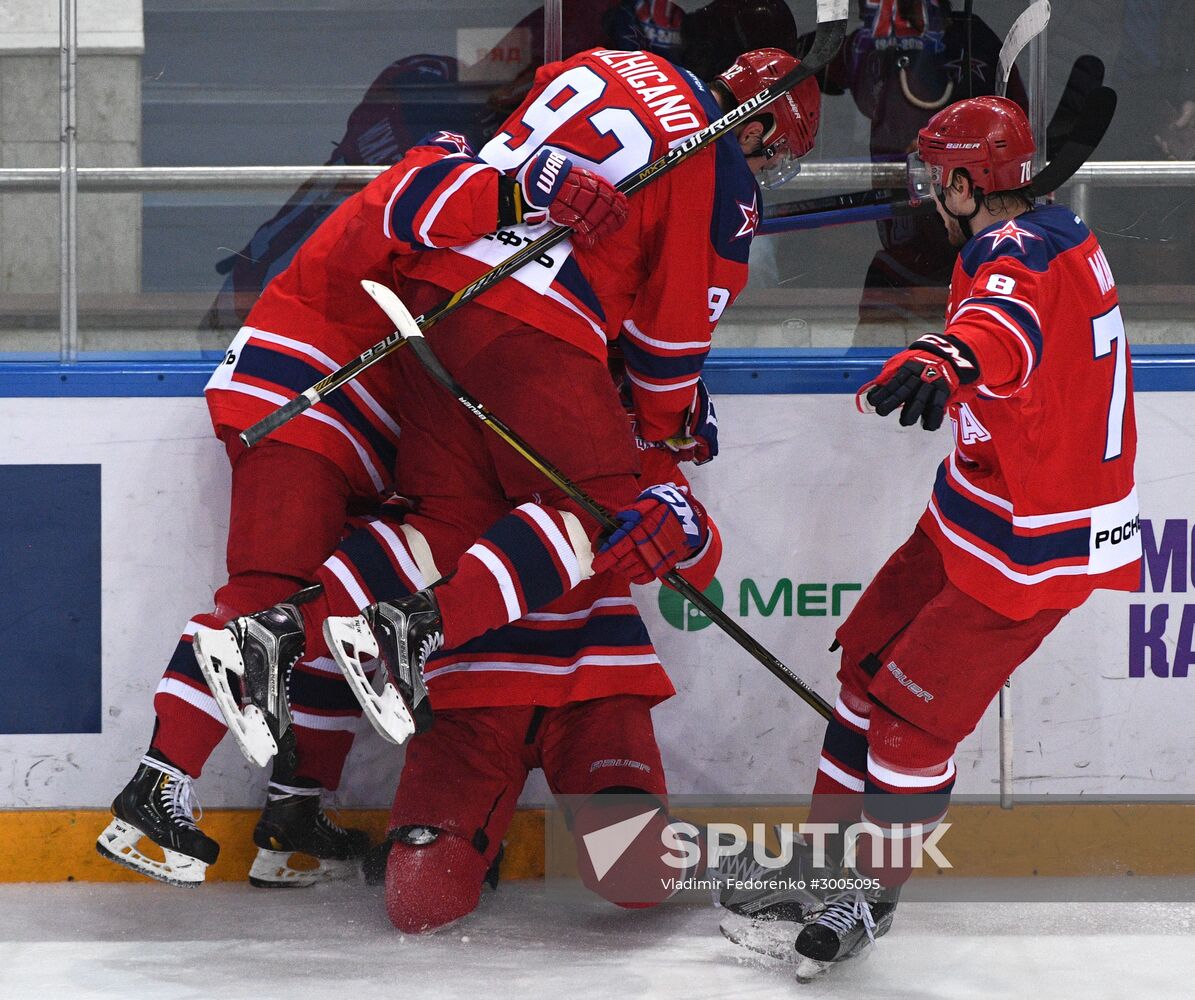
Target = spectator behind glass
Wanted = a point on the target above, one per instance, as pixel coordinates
(389, 120)
(905, 63)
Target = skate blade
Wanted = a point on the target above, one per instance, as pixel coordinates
(118, 843)
(809, 969)
(218, 655)
(350, 641)
(776, 939)
(272, 870)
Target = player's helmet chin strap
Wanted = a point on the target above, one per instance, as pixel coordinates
(964, 221)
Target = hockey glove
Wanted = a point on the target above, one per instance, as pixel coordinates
(697, 441)
(663, 527)
(551, 187)
(922, 380)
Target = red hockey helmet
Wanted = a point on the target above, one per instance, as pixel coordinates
(989, 137)
(790, 122)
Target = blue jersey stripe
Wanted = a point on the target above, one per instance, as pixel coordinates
(540, 579)
(620, 631)
(655, 366)
(416, 194)
(285, 370)
(184, 664)
(372, 562)
(1018, 314)
(1022, 550)
(571, 278)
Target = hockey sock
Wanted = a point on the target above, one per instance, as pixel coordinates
(189, 724)
(907, 804)
(380, 560)
(525, 560)
(843, 764)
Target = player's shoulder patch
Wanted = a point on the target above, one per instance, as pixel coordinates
(737, 204)
(1034, 239)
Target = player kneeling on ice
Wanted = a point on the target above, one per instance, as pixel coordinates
(582, 714)
(1034, 509)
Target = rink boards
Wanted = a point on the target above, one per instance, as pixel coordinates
(811, 497)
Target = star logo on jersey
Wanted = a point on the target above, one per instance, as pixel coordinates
(453, 139)
(750, 218)
(1012, 232)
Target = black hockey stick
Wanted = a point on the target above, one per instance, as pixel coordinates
(831, 26)
(1098, 108)
(1087, 115)
(407, 327)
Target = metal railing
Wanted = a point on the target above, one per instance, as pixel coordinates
(67, 181)
(1104, 173)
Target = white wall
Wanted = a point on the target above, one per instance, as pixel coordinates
(805, 488)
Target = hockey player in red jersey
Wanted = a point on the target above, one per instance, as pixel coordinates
(1033, 510)
(291, 498)
(535, 353)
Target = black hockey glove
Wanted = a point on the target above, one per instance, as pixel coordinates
(922, 380)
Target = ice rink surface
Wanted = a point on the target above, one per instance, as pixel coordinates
(232, 942)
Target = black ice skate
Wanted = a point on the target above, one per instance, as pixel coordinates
(767, 907)
(259, 650)
(404, 633)
(158, 804)
(851, 921)
(294, 822)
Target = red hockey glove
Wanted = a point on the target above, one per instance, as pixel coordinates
(555, 188)
(922, 380)
(663, 527)
(697, 441)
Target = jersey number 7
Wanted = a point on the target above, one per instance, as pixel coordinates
(1108, 333)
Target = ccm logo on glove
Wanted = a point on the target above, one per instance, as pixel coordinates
(922, 380)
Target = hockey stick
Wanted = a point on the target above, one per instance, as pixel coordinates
(1029, 25)
(842, 209)
(831, 26)
(407, 327)
(1093, 117)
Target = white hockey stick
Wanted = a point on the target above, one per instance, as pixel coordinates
(1030, 24)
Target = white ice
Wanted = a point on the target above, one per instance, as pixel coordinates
(232, 942)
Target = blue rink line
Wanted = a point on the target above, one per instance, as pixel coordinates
(728, 371)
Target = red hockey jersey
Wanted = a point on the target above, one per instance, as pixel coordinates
(662, 282)
(1036, 506)
(314, 317)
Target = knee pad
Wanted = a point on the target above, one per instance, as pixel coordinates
(432, 878)
(637, 877)
(900, 745)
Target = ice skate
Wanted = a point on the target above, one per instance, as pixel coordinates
(294, 822)
(851, 921)
(259, 651)
(767, 907)
(158, 805)
(404, 633)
